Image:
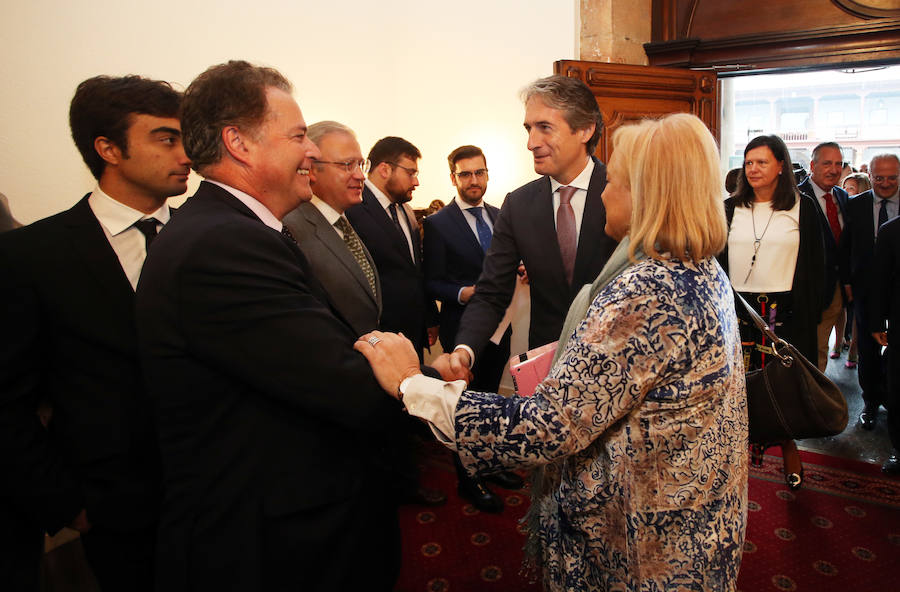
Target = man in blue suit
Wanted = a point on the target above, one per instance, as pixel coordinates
(456, 240)
(822, 185)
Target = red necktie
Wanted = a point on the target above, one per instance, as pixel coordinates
(832, 214)
(565, 230)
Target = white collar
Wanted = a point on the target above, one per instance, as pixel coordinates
(256, 206)
(328, 212)
(582, 181)
(116, 217)
(383, 199)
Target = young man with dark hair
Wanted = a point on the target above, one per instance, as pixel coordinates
(69, 302)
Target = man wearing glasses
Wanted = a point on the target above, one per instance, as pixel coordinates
(388, 227)
(456, 240)
(334, 250)
(866, 213)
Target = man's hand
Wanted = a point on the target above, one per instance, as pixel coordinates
(392, 358)
(81, 523)
(466, 294)
(881, 337)
(523, 273)
(443, 364)
(433, 333)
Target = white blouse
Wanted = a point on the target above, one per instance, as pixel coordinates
(778, 235)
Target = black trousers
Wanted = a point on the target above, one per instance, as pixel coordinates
(121, 560)
(21, 548)
(871, 366)
(893, 396)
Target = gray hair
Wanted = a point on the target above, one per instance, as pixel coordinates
(574, 99)
(885, 156)
(820, 147)
(320, 129)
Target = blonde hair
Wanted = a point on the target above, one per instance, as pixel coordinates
(671, 167)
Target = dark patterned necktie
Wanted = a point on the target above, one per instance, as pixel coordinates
(565, 230)
(882, 214)
(831, 213)
(393, 210)
(147, 226)
(484, 231)
(356, 249)
(287, 234)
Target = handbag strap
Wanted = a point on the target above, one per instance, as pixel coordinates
(786, 359)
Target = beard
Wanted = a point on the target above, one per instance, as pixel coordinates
(397, 192)
(470, 196)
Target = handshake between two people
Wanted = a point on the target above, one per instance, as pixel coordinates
(393, 360)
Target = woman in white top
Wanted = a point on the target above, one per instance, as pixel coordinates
(775, 259)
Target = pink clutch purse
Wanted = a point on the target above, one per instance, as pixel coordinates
(529, 369)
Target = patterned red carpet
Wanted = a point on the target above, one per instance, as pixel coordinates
(840, 532)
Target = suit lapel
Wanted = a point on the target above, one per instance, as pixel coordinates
(543, 218)
(90, 246)
(382, 219)
(327, 235)
(464, 231)
(594, 216)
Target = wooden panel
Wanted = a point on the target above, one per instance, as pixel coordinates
(786, 33)
(629, 93)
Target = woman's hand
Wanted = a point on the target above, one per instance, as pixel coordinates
(392, 358)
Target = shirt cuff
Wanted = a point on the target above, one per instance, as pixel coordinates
(459, 296)
(469, 351)
(435, 402)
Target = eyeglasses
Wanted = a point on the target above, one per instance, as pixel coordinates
(880, 179)
(409, 171)
(349, 166)
(466, 175)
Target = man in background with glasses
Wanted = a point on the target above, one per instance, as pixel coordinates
(334, 250)
(866, 213)
(456, 240)
(387, 226)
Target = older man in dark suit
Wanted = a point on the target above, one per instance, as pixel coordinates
(68, 312)
(822, 185)
(867, 212)
(555, 225)
(886, 307)
(266, 414)
(334, 250)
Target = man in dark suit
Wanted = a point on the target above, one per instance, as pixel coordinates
(554, 225)
(822, 185)
(456, 239)
(388, 228)
(335, 252)
(886, 307)
(69, 302)
(866, 212)
(266, 415)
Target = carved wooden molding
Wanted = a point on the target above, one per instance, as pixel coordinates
(871, 8)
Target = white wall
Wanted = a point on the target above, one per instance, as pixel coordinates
(440, 74)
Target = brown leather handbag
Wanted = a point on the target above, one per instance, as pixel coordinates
(790, 399)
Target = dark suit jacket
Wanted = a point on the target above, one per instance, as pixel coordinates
(885, 299)
(268, 419)
(68, 321)
(335, 267)
(833, 259)
(405, 307)
(453, 259)
(525, 231)
(858, 247)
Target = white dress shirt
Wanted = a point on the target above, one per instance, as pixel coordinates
(401, 215)
(329, 213)
(776, 259)
(256, 206)
(892, 206)
(820, 196)
(470, 220)
(117, 221)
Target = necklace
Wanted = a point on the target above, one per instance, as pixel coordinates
(757, 240)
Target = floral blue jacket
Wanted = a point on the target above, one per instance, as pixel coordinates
(644, 423)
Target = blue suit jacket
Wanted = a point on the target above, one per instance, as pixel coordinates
(453, 259)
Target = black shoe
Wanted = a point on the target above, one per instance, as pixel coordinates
(892, 465)
(867, 418)
(505, 479)
(474, 490)
(425, 497)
